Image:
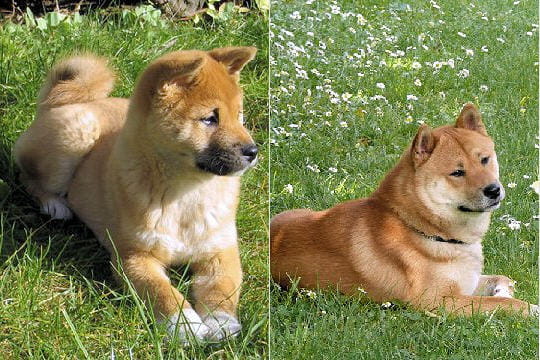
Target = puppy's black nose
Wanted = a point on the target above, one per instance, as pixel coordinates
(492, 191)
(250, 152)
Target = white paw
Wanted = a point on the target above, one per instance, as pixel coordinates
(186, 326)
(503, 291)
(534, 310)
(56, 208)
(221, 325)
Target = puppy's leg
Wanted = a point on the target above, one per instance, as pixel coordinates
(216, 290)
(468, 305)
(49, 152)
(152, 284)
(51, 203)
(495, 285)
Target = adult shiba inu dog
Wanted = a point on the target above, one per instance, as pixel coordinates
(155, 177)
(417, 238)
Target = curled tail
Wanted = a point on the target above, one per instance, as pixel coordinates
(77, 79)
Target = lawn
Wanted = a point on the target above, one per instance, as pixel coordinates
(350, 83)
(58, 297)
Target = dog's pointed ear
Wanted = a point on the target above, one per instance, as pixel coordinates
(175, 70)
(234, 58)
(423, 145)
(178, 68)
(471, 119)
(180, 72)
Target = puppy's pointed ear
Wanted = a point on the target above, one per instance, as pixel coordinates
(471, 119)
(234, 58)
(180, 72)
(175, 70)
(423, 145)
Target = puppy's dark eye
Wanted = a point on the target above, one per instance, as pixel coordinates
(211, 120)
(484, 160)
(458, 173)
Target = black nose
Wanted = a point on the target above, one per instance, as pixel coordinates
(250, 152)
(492, 191)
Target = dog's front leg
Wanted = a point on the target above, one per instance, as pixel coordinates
(152, 284)
(495, 285)
(216, 289)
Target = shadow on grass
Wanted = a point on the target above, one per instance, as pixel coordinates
(67, 246)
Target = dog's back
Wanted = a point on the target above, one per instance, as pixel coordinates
(300, 246)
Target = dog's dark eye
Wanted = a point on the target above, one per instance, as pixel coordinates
(458, 173)
(484, 160)
(211, 120)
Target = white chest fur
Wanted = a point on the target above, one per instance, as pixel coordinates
(191, 225)
(464, 269)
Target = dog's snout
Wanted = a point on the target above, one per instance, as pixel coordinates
(250, 152)
(492, 191)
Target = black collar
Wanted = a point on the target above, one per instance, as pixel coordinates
(439, 239)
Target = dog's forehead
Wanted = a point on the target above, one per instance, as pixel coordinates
(218, 82)
(476, 145)
(465, 143)
(214, 89)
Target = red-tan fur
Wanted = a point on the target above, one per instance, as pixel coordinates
(373, 244)
(130, 172)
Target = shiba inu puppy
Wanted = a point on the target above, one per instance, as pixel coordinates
(155, 177)
(417, 238)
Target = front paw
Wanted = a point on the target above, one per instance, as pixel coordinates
(186, 326)
(534, 310)
(504, 287)
(57, 208)
(221, 325)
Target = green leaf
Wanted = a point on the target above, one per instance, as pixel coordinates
(226, 10)
(212, 13)
(263, 5)
(139, 10)
(29, 18)
(54, 18)
(77, 19)
(41, 24)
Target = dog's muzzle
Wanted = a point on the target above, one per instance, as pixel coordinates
(227, 161)
(492, 195)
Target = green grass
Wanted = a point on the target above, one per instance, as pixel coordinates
(59, 300)
(334, 138)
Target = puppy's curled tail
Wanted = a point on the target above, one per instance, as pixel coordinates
(77, 79)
